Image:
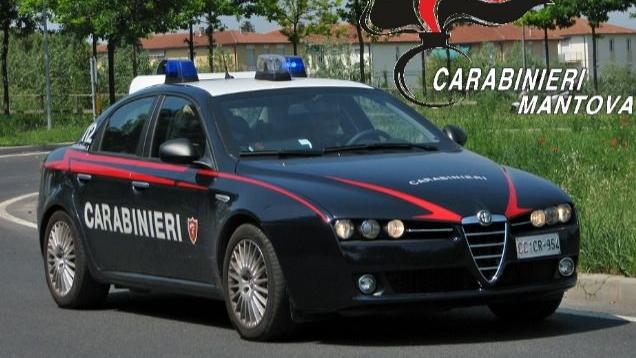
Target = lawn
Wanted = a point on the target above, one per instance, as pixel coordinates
(31, 129)
(591, 158)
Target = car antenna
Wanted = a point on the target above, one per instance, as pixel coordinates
(228, 76)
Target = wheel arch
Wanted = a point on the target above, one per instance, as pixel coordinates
(230, 225)
(44, 222)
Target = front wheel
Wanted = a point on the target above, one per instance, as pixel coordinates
(534, 310)
(255, 289)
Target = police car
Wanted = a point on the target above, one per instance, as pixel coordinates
(289, 198)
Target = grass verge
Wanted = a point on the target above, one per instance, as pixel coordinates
(593, 158)
(31, 130)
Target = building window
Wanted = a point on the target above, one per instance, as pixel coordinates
(629, 44)
(251, 60)
(611, 45)
(397, 53)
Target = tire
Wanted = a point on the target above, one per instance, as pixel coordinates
(526, 311)
(242, 284)
(69, 291)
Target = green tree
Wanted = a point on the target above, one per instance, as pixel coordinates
(10, 19)
(560, 14)
(301, 18)
(597, 12)
(352, 13)
(212, 10)
(247, 26)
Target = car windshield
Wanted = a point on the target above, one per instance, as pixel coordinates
(321, 120)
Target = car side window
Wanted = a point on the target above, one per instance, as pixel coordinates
(178, 119)
(125, 126)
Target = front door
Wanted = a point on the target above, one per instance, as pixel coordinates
(179, 200)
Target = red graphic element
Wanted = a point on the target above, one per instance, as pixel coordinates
(268, 186)
(428, 14)
(513, 209)
(193, 230)
(436, 212)
(88, 163)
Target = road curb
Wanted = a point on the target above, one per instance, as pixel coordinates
(31, 148)
(605, 289)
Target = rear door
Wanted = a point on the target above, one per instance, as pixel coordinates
(181, 200)
(104, 194)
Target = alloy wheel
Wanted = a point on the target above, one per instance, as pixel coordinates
(248, 283)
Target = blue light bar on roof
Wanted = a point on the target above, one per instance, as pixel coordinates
(279, 68)
(296, 66)
(180, 71)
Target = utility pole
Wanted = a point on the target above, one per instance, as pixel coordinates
(47, 65)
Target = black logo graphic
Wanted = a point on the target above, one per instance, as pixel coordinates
(432, 20)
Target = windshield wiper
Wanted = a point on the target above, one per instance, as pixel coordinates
(381, 146)
(283, 153)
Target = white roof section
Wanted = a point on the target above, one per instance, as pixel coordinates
(143, 82)
(217, 85)
(223, 87)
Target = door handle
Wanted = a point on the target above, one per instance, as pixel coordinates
(140, 185)
(83, 178)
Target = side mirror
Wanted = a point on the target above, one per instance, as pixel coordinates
(178, 151)
(456, 134)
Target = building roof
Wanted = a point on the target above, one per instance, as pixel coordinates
(178, 40)
(464, 34)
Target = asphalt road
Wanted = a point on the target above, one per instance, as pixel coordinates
(139, 325)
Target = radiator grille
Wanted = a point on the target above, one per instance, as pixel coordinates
(487, 245)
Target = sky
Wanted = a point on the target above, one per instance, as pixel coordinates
(262, 25)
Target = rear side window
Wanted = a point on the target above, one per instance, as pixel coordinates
(125, 126)
(178, 119)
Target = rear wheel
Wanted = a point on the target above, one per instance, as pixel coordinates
(66, 267)
(534, 310)
(255, 289)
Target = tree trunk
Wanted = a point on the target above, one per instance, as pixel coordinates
(594, 69)
(191, 43)
(135, 62)
(295, 45)
(546, 48)
(363, 77)
(5, 72)
(424, 73)
(94, 45)
(111, 71)
(210, 33)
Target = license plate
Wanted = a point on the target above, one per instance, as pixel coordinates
(538, 246)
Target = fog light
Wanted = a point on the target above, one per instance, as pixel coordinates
(367, 284)
(344, 229)
(395, 229)
(551, 216)
(370, 229)
(565, 213)
(538, 218)
(566, 267)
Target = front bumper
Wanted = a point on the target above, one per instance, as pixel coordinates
(322, 273)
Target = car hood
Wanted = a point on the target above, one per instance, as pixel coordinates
(438, 186)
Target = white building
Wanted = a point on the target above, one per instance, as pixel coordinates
(571, 46)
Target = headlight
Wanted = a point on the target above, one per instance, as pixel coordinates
(565, 213)
(344, 229)
(370, 229)
(395, 229)
(551, 216)
(538, 218)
